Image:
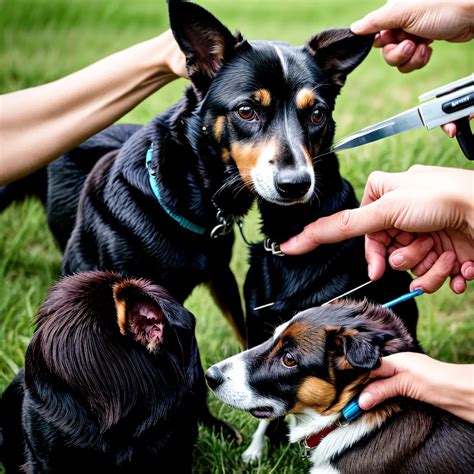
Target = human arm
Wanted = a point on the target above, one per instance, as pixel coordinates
(39, 124)
(447, 386)
(425, 214)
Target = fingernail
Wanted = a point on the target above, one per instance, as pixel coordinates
(357, 26)
(397, 260)
(450, 258)
(408, 48)
(366, 400)
(426, 243)
(370, 271)
(423, 51)
(469, 273)
(288, 244)
(459, 287)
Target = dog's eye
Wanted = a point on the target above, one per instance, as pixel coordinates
(246, 112)
(317, 117)
(288, 360)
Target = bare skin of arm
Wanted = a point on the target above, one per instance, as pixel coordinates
(39, 124)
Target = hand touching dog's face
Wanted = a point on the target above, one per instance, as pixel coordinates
(318, 361)
(266, 106)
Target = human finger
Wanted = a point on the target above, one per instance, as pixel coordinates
(398, 54)
(375, 254)
(458, 284)
(467, 270)
(381, 390)
(340, 226)
(449, 129)
(411, 255)
(425, 264)
(434, 278)
(418, 59)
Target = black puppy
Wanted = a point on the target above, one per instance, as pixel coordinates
(112, 381)
(298, 187)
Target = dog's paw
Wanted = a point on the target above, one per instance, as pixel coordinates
(253, 453)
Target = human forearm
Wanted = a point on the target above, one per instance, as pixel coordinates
(41, 123)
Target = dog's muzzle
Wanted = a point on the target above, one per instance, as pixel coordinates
(292, 184)
(214, 377)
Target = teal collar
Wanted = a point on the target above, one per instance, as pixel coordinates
(225, 220)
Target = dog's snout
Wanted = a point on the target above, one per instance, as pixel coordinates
(214, 377)
(292, 184)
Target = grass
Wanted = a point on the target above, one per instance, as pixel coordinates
(43, 40)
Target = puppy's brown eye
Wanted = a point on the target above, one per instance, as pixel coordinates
(317, 116)
(288, 360)
(246, 112)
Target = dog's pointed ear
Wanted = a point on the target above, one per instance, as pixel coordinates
(139, 315)
(204, 40)
(338, 52)
(355, 348)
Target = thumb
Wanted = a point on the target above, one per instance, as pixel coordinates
(379, 391)
(390, 16)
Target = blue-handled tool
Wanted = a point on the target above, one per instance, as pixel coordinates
(352, 410)
(401, 299)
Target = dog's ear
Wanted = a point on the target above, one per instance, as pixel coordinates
(338, 52)
(355, 348)
(204, 40)
(139, 315)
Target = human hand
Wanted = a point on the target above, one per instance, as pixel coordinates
(175, 60)
(405, 28)
(422, 219)
(447, 386)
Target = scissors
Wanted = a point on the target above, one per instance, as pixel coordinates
(453, 102)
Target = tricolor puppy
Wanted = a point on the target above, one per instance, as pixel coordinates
(313, 366)
(112, 382)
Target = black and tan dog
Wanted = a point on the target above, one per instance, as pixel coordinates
(313, 366)
(256, 115)
(112, 381)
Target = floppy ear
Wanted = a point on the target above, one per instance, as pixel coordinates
(139, 315)
(204, 40)
(357, 349)
(339, 51)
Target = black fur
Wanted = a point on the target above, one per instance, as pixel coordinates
(333, 349)
(91, 396)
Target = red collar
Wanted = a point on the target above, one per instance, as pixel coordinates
(315, 439)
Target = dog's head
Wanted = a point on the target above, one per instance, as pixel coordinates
(317, 361)
(112, 342)
(265, 108)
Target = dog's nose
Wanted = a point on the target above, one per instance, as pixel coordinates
(214, 377)
(292, 184)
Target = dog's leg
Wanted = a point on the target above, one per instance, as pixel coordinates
(226, 294)
(255, 450)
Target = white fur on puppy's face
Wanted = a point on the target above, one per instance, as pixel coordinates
(236, 391)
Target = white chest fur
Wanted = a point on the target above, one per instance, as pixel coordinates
(339, 440)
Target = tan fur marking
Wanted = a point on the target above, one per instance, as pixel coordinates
(218, 127)
(246, 156)
(225, 155)
(305, 98)
(121, 307)
(263, 97)
(314, 393)
(307, 155)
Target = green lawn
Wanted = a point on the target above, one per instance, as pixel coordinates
(45, 39)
